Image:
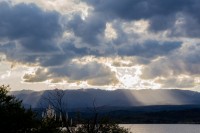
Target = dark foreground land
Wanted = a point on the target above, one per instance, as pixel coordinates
(190, 116)
(167, 114)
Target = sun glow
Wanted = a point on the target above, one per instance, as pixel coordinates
(129, 77)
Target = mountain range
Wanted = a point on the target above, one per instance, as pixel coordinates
(85, 98)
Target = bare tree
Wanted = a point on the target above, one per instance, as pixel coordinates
(100, 125)
(58, 101)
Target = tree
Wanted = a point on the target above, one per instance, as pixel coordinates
(93, 125)
(102, 128)
(99, 125)
(48, 126)
(56, 99)
(13, 116)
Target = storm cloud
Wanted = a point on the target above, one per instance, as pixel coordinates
(160, 36)
(149, 49)
(162, 15)
(33, 28)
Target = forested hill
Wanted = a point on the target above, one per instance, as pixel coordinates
(119, 98)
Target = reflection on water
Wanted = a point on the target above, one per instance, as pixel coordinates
(162, 128)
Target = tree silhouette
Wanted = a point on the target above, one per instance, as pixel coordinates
(56, 99)
(13, 116)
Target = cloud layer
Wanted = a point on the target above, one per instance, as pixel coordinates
(162, 37)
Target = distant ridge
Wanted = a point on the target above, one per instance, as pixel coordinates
(117, 98)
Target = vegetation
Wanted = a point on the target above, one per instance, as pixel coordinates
(104, 126)
(48, 126)
(93, 124)
(14, 118)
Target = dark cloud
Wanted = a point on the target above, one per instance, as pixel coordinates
(138, 9)
(69, 51)
(89, 29)
(81, 72)
(187, 26)
(149, 49)
(161, 14)
(34, 33)
(32, 27)
(31, 21)
(159, 23)
(29, 34)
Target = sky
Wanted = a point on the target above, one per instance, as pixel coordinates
(106, 44)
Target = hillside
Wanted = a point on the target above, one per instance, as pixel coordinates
(118, 98)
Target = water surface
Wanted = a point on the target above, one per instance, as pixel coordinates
(162, 128)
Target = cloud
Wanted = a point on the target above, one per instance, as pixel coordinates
(32, 27)
(89, 29)
(37, 34)
(182, 61)
(162, 15)
(150, 33)
(29, 32)
(149, 49)
(93, 72)
(32, 36)
(40, 75)
(178, 70)
(177, 82)
(61, 6)
(138, 9)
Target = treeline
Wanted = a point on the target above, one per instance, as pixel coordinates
(188, 116)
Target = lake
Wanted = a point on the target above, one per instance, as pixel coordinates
(162, 128)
